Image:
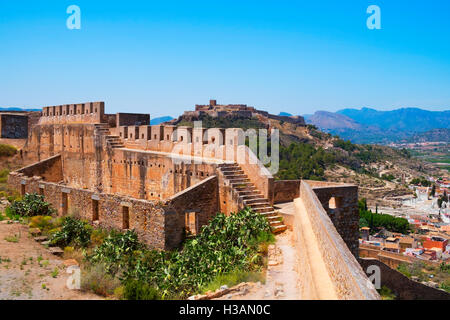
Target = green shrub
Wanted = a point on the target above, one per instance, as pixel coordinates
(375, 220)
(226, 244)
(73, 231)
(12, 214)
(229, 245)
(7, 150)
(386, 293)
(96, 279)
(303, 161)
(137, 290)
(41, 222)
(115, 250)
(31, 205)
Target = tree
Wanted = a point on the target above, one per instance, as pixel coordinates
(433, 191)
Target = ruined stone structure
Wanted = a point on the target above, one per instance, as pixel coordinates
(235, 111)
(117, 171)
(17, 124)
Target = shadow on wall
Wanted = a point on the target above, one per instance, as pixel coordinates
(404, 288)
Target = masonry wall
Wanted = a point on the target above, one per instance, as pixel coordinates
(132, 119)
(346, 276)
(404, 288)
(89, 163)
(147, 218)
(89, 112)
(150, 175)
(202, 198)
(285, 190)
(345, 215)
(13, 126)
(81, 149)
(49, 170)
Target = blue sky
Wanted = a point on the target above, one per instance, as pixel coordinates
(163, 57)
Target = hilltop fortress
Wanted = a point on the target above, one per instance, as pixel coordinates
(163, 181)
(236, 111)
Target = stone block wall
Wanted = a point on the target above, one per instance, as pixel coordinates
(147, 218)
(150, 175)
(202, 198)
(132, 119)
(404, 288)
(340, 201)
(285, 190)
(13, 126)
(49, 169)
(90, 112)
(327, 267)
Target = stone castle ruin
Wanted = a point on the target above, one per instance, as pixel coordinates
(118, 171)
(236, 111)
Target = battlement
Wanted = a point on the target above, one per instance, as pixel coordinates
(89, 112)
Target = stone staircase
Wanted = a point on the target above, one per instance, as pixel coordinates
(114, 142)
(102, 128)
(250, 196)
(111, 141)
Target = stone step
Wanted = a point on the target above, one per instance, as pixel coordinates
(262, 209)
(275, 223)
(41, 239)
(269, 214)
(274, 218)
(279, 229)
(250, 196)
(240, 181)
(257, 202)
(228, 165)
(260, 205)
(248, 191)
(242, 185)
(225, 173)
(235, 176)
(57, 251)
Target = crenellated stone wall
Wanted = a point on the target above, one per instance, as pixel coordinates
(90, 112)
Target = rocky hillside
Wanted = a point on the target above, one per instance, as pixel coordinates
(306, 152)
(381, 172)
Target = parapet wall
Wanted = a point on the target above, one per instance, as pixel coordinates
(90, 112)
(212, 144)
(404, 288)
(340, 201)
(286, 190)
(49, 169)
(326, 266)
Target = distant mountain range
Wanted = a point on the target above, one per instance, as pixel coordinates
(372, 126)
(160, 120)
(18, 109)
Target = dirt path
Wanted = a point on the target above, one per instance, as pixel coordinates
(282, 278)
(29, 272)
